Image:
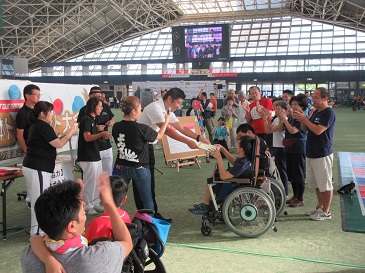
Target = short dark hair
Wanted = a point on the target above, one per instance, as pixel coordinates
(119, 189)
(204, 94)
(57, 206)
(301, 99)
(254, 86)
(91, 105)
(175, 94)
(244, 128)
(324, 92)
(287, 91)
(28, 89)
(212, 94)
(246, 143)
(94, 89)
(39, 107)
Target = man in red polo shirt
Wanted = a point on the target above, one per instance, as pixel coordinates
(255, 109)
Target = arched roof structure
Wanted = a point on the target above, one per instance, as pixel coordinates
(60, 30)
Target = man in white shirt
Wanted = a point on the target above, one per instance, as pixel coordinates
(154, 116)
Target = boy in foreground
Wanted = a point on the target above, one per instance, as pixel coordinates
(61, 215)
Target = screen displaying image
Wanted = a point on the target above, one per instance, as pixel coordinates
(203, 42)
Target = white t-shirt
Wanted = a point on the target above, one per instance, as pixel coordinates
(242, 112)
(155, 113)
(277, 137)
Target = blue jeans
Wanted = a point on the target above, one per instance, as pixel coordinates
(141, 178)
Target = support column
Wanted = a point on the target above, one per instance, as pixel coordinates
(67, 70)
(47, 71)
(104, 70)
(143, 69)
(85, 70)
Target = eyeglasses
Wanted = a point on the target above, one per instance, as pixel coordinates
(37, 95)
(316, 98)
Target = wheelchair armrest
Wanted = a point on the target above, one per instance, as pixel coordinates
(148, 211)
(238, 180)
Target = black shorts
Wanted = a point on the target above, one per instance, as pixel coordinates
(212, 114)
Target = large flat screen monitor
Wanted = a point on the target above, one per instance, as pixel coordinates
(194, 43)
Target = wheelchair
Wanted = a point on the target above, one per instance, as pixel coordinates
(249, 205)
(148, 247)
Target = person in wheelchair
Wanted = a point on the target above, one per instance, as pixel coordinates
(102, 225)
(242, 167)
(247, 130)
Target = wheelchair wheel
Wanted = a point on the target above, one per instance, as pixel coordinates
(249, 212)
(157, 264)
(206, 230)
(279, 197)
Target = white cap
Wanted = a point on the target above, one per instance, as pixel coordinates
(155, 93)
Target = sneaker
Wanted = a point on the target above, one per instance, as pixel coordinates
(296, 203)
(29, 206)
(321, 216)
(201, 209)
(99, 208)
(91, 212)
(207, 159)
(288, 201)
(313, 211)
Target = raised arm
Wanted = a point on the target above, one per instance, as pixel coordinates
(120, 230)
(223, 173)
(60, 142)
(163, 127)
(307, 124)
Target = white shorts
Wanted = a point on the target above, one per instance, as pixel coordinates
(319, 173)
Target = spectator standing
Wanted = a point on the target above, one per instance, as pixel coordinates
(230, 114)
(132, 160)
(88, 153)
(214, 107)
(32, 94)
(103, 121)
(206, 113)
(255, 109)
(320, 127)
(295, 145)
(39, 162)
(287, 95)
(277, 128)
(243, 104)
(309, 101)
(231, 93)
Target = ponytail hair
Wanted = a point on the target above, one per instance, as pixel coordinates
(129, 103)
(39, 107)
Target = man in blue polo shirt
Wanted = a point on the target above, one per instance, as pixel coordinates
(320, 126)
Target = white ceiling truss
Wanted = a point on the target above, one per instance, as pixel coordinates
(59, 30)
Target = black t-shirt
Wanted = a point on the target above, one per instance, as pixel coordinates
(132, 142)
(87, 151)
(40, 154)
(105, 115)
(22, 120)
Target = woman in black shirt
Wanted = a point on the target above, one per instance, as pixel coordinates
(132, 140)
(39, 162)
(88, 154)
